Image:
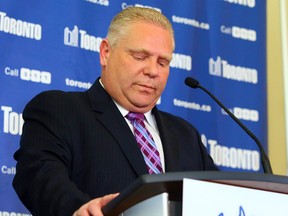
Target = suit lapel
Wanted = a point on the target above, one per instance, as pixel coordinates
(110, 117)
(169, 141)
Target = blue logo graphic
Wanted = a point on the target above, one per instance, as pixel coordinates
(241, 212)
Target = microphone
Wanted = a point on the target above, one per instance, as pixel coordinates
(193, 83)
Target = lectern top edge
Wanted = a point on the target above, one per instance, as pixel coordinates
(150, 185)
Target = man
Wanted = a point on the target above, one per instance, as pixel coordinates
(76, 147)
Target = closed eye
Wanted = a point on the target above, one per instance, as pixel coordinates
(139, 55)
(163, 62)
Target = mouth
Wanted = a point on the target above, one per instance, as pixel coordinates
(146, 87)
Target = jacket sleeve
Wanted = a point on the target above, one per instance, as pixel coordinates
(42, 180)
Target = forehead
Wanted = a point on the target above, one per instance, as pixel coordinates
(144, 35)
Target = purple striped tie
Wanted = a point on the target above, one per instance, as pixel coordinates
(145, 142)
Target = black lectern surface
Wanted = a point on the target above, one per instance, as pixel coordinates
(148, 186)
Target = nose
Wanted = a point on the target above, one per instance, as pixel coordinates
(152, 68)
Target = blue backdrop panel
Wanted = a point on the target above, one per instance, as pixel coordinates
(222, 43)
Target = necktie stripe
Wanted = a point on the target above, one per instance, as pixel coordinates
(147, 137)
(145, 142)
(143, 132)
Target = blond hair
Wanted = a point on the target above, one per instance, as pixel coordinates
(120, 23)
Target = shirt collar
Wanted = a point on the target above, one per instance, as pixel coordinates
(124, 112)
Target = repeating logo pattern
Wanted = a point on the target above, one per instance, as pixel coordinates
(221, 43)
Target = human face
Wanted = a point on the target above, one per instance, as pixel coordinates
(135, 71)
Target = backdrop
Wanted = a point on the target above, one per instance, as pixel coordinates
(222, 43)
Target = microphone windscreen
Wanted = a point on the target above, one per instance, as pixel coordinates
(193, 83)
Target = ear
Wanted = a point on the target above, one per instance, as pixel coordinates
(104, 52)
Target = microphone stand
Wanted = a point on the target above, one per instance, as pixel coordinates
(264, 158)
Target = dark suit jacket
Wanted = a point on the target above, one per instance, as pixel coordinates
(76, 146)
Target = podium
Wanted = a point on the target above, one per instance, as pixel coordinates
(162, 194)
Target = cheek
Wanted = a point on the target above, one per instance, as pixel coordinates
(164, 78)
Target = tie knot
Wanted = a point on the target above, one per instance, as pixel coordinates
(131, 116)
